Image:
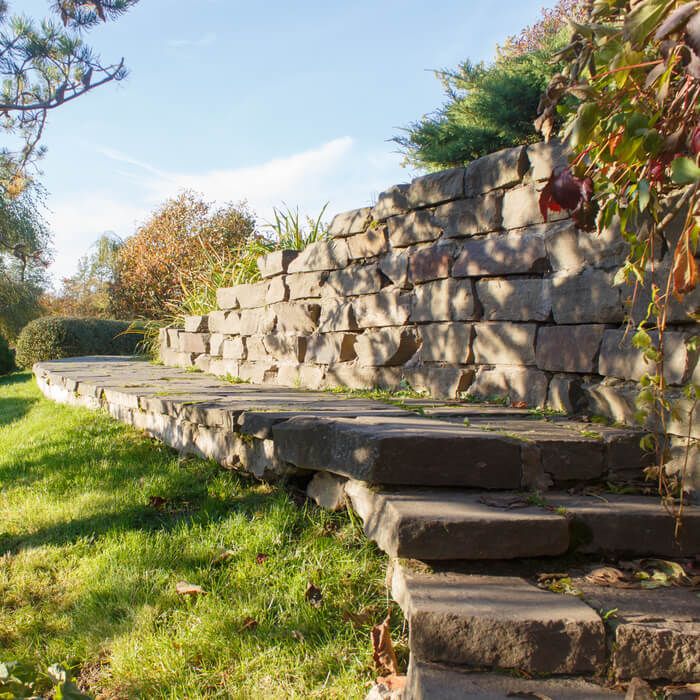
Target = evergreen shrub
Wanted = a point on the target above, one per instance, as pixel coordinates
(53, 338)
(7, 357)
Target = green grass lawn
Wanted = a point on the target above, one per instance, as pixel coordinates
(98, 523)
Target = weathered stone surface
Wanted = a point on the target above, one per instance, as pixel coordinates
(415, 227)
(215, 443)
(438, 382)
(571, 249)
(353, 281)
(569, 348)
(297, 317)
(350, 222)
(427, 681)
(395, 266)
(498, 621)
(504, 254)
(230, 324)
(323, 255)
(444, 300)
(504, 343)
(262, 321)
(336, 315)
(277, 291)
(447, 342)
(430, 263)
(501, 169)
(515, 383)
(264, 372)
(251, 296)
(275, 263)
(196, 324)
(174, 338)
(355, 376)
(227, 298)
(521, 208)
(586, 297)
(202, 362)
(195, 342)
(633, 525)
(437, 524)
(545, 157)
(234, 349)
(656, 634)
(215, 321)
(306, 376)
(401, 451)
(514, 299)
(163, 337)
(259, 458)
(216, 344)
(386, 346)
(619, 357)
(389, 308)
(286, 348)
(391, 202)
(370, 244)
(436, 187)
(327, 491)
(467, 217)
(326, 348)
(565, 393)
(306, 285)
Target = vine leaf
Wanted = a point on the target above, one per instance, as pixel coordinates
(684, 171)
(685, 269)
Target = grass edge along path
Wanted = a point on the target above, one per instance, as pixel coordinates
(98, 524)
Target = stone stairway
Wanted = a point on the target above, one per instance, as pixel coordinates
(487, 495)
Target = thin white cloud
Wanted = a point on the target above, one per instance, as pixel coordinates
(334, 172)
(206, 40)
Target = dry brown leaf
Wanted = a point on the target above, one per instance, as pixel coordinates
(249, 624)
(396, 681)
(184, 588)
(357, 619)
(609, 576)
(261, 557)
(685, 269)
(313, 595)
(222, 557)
(157, 502)
(519, 404)
(384, 656)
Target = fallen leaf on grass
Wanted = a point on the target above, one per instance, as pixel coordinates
(157, 502)
(222, 557)
(384, 656)
(184, 588)
(357, 619)
(249, 624)
(396, 681)
(503, 501)
(260, 558)
(313, 595)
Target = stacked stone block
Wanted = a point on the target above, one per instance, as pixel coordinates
(452, 283)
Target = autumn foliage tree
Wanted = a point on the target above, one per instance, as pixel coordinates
(172, 248)
(630, 94)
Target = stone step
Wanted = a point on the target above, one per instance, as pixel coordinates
(498, 621)
(430, 681)
(453, 524)
(496, 448)
(433, 524)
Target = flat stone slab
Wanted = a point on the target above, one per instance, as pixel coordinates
(654, 633)
(410, 451)
(634, 525)
(434, 524)
(498, 621)
(428, 681)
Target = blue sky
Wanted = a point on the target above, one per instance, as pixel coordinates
(269, 102)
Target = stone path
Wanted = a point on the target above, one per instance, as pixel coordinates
(461, 484)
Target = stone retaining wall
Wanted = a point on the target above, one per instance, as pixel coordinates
(454, 285)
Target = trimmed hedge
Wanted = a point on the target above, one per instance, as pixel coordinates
(53, 337)
(7, 357)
